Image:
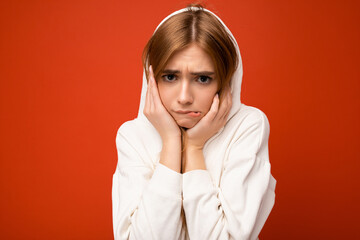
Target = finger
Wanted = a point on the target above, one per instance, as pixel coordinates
(228, 101)
(147, 97)
(213, 109)
(229, 105)
(151, 87)
(224, 103)
(155, 92)
(151, 73)
(151, 82)
(222, 109)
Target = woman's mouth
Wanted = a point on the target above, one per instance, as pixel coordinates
(193, 114)
(189, 113)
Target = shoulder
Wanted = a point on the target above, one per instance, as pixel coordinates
(133, 145)
(139, 134)
(129, 132)
(249, 126)
(127, 127)
(250, 117)
(252, 114)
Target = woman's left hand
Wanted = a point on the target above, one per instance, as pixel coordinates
(211, 123)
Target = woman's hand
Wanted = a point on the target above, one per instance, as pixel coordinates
(165, 124)
(211, 123)
(208, 126)
(155, 111)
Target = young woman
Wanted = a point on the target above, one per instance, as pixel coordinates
(194, 163)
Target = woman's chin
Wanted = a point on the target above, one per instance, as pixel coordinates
(186, 123)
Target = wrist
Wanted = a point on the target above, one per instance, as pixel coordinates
(170, 155)
(193, 159)
(191, 148)
(171, 140)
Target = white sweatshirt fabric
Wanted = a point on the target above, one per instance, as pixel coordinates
(230, 200)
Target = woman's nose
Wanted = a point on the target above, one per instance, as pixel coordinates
(185, 95)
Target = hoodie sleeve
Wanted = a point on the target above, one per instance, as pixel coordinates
(238, 208)
(146, 203)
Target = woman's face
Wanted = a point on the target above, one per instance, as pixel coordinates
(188, 85)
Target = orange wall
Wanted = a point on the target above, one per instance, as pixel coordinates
(70, 75)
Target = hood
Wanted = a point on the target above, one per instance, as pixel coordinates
(235, 80)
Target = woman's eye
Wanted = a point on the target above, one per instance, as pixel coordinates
(169, 77)
(204, 79)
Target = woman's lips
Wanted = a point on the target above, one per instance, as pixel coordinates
(189, 113)
(193, 114)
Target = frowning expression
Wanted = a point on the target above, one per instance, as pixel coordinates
(188, 85)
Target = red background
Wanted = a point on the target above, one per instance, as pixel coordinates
(71, 74)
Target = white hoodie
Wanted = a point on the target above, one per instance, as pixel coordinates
(230, 200)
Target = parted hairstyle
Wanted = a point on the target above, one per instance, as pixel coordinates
(195, 25)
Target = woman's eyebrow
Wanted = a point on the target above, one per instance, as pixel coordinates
(169, 71)
(202, 73)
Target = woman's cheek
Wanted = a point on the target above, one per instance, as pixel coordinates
(164, 96)
(209, 102)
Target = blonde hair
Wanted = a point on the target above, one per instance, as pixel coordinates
(195, 25)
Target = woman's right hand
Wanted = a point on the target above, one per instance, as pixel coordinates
(157, 114)
(165, 124)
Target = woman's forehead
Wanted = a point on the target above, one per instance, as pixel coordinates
(192, 58)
